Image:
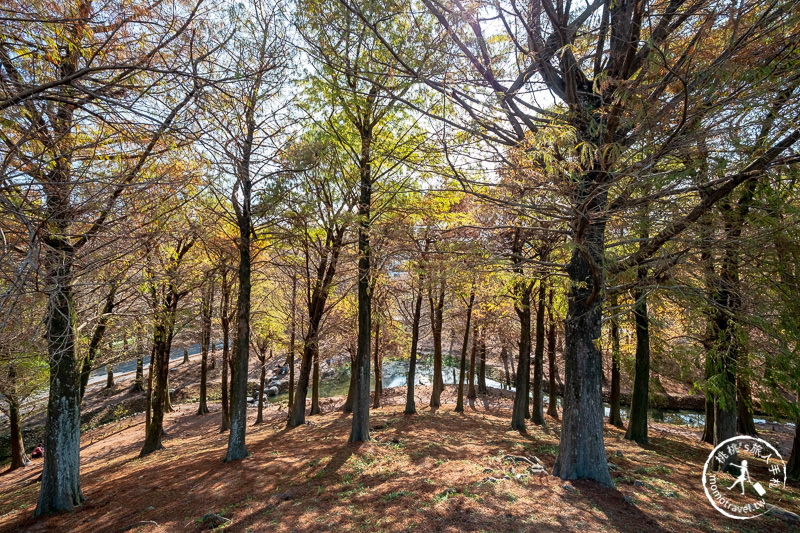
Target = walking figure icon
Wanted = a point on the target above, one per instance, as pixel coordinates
(744, 473)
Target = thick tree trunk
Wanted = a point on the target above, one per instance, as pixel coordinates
(315, 386)
(411, 405)
(298, 417)
(206, 310)
(614, 416)
(581, 452)
(464, 348)
(360, 428)
(238, 409)
(537, 411)
(262, 381)
(60, 488)
(552, 390)
(351, 389)
(437, 314)
(376, 356)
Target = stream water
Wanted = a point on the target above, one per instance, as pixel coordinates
(395, 374)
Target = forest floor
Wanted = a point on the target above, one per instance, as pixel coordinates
(436, 471)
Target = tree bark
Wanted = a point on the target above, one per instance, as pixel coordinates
(60, 488)
(637, 422)
(581, 452)
(523, 309)
(614, 416)
(437, 315)
(18, 457)
(552, 391)
(185, 355)
(263, 363)
(537, 411)
(482, 388)
(97, 337)
(411, 404)
(315, 386)
(471, 392)
(224, 318)
(464, 348)
(745, 425)
(376, 397)
(291, 347)
(360, 427)
(205, 339)
(504, 358)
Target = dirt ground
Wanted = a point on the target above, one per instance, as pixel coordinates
(436, 471)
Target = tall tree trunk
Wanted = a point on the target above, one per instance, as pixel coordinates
(411, 405)
(185, 355)
(637, 423)
(471, 392)
(482, 388)
(206, 310)
(537, 412)
(97, 337)
(376, 398)
(150, 377)
(291, 346)
(464, 348)
(138, 382)
(315, 386)
(523, 309)
(504, 358)
(238, 408)
(18, 458)
(224, 318)
(552, 390)
(60, 489)
(437, 316)
(212, 357)
(351, 389)
(263, 364)
(360, 428)
(614, 416)
(581, 452)
(164, 321)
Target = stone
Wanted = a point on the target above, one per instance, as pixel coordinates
(213, 520)
(787, 516)
(569, 488)
(638, 483)
(272, 391)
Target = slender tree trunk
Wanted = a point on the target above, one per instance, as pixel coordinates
(291, 346)
(97, 337)
(185, 355)
(315, 386)
(411, 406)
(582, 453)
(471, 392)
(437, 313)
(482, 388)
(18, 457)
(464, 348)
(224, 317)
(614, 417)
(360, 428)
(504, 358)
(138, 382)
(206, 308)
(376, 398)
(637, 423)
(537, 412)
(212, 357)
(552, 391)
(109, 376)
(150, 377)
(263, 363)
(523, 309)
(351, 389)
(163, 323)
